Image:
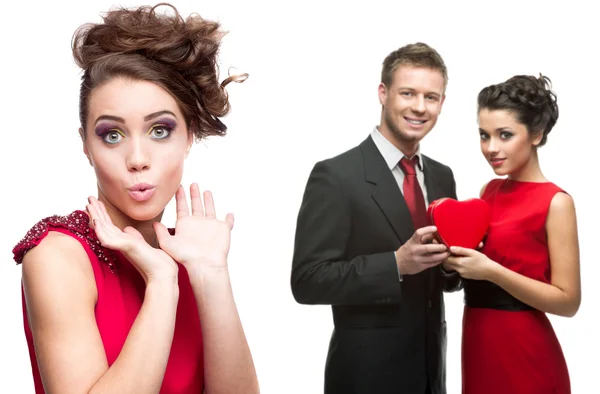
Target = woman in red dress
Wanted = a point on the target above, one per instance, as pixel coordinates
(113, 301)
(529, 264)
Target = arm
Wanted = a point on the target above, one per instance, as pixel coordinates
(201, 244)
(321, 273)
(60, 293)
(563, 296)
(228, 365)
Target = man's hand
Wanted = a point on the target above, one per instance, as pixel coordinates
(420, 253)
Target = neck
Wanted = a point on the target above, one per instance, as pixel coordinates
(121, 220)
(408, 148)
(530, 172)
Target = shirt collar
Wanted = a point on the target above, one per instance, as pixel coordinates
(390, 153)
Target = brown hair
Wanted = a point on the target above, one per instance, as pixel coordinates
(417, 54)
(176, 54)
(529, 98)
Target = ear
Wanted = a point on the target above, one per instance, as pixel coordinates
(537, 138)
(86, 152)
(190, 142)
(382, 92)
(442, 100)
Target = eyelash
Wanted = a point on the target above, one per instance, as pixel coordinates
(433, 98)
(503, 135)
(103, 135)
(165, 127)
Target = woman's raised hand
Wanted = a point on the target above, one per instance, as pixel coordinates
(152, 263)
(201, 241)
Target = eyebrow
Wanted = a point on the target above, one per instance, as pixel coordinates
(499, 129)
(146, 118)
(414, 90)
(159, 113)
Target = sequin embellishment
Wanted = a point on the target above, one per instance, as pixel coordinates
(78, 224)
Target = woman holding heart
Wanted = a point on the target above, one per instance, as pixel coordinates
(113, 301)
(529, 264)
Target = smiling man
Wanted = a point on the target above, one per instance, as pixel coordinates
(363, 246)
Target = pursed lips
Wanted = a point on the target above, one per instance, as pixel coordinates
(141, 191)
(140, 187)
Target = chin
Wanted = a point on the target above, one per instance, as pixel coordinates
(500, 171)
(412, 137)
(143, 212)
(416, 135)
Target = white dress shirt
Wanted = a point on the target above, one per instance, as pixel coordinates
(392, 157)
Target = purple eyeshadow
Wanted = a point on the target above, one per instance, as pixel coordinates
(170, 123)
(102, 129)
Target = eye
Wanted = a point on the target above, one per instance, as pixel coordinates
(112, 137)
(505, 135)
(483, 136)
(160, 131)
(432, 98)
(407, 94)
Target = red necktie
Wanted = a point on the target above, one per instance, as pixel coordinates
(413, 195)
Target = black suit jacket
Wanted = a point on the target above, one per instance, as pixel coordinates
(389, 336)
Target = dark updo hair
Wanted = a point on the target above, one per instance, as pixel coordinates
(529, 98)
(176, 54)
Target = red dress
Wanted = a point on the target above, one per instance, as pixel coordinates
(120, 296)
(505, 351)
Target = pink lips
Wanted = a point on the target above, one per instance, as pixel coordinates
(141, 191)
(497, 162)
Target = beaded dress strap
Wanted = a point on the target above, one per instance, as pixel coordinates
(77, 223)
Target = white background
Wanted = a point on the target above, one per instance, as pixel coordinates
(312, 93)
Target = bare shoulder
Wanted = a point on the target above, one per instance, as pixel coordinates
(562, 204)
(561, 213)
(60, 295)
(58, 264)
(56, 251)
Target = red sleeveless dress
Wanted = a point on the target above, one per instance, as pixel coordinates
(120, 295)
(514, 352)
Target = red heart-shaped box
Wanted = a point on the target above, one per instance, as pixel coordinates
(460, 223)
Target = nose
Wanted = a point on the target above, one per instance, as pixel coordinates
(418, 104)
(492, 146)
(139, 157)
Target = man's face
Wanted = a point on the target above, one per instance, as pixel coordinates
(411, 104)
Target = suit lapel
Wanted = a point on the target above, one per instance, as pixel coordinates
(386, 193)
(434, 192)
(432, 182)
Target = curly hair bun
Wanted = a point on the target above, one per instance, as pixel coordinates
(176, 53)
(531, 99)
